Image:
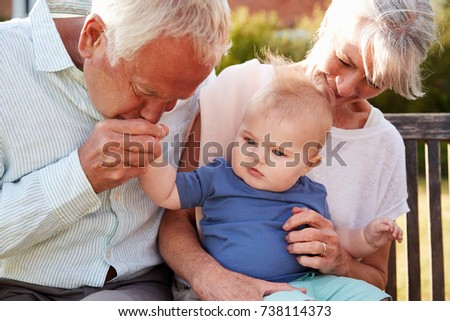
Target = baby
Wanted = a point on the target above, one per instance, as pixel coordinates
(247, 200)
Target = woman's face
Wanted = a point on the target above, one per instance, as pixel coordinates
(338, 57)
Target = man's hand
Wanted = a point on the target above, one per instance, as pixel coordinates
(118, 150)
(224, 285)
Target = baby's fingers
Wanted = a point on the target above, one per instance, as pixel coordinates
(398, 234)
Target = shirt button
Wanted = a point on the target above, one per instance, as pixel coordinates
(108, 254)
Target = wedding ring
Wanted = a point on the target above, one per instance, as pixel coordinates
(324, 249)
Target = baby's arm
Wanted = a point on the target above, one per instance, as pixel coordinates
(158, 183)
(365, 241)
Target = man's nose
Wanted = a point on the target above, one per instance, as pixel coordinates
(153, 112)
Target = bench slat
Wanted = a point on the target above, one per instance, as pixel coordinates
(432, 129)
(391, 286)
(412, 223)
(422, 126)
(433, 171)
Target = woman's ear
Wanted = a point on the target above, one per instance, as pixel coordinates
(91, 35)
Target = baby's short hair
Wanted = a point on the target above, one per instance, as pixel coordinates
(296, 95)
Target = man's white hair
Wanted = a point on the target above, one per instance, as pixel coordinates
(131, 24)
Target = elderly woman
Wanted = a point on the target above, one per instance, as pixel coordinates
(362, 49)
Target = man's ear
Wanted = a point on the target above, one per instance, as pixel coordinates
(91, 35)
(313, 162)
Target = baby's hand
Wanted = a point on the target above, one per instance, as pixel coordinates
(392, 229)
(381, 231)
(164, 131)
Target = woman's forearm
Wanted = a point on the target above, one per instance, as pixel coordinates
(372, 269)
(354, 241)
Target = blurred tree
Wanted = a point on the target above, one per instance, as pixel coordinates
(253, 32)
(249, 33)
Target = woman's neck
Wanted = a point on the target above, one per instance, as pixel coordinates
(351, 116)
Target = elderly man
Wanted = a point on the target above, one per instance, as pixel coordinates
(80, 101)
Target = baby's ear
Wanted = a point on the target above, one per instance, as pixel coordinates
(313, 162)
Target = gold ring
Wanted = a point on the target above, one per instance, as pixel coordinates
(324, 249)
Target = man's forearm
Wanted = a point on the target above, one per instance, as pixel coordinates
(181, 248)
(180, 245)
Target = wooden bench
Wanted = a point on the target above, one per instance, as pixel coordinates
(432, 130)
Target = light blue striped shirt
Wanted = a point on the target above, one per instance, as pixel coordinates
(54, 229)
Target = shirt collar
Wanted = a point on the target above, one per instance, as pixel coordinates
(51, 55)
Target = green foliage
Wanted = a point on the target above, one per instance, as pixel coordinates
(251, 34)
(437, 72)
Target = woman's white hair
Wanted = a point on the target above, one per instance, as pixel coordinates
(396, 34)
(131, 24)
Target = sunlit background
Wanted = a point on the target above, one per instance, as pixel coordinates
(287, 27)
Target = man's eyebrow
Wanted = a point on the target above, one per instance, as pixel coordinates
(146, 90)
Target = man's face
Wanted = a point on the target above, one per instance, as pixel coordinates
(150, 84)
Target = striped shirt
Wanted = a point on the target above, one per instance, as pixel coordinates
(54, 229)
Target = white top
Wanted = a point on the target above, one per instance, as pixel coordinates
(363, 169)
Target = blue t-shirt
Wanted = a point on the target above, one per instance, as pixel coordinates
(242, 226)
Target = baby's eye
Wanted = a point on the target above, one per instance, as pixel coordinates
(250, 141)
(278, 153)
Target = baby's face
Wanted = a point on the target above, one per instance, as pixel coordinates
(269, 154)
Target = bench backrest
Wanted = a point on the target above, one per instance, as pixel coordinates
(431, 129)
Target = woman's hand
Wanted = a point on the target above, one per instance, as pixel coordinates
(317, 245)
